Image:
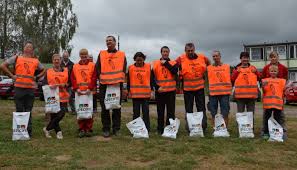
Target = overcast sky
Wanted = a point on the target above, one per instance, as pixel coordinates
(147, 25)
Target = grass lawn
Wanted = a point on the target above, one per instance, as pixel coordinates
(124, 152)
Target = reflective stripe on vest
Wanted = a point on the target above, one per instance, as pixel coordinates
(140, 81)
(59, 78)
(25, 69)
(83, 75)
(246, 84)
(192, 72)
(112, 65)
(164, 77)
(219, 80)
(273, 91)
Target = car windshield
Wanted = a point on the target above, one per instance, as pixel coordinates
(294, 84)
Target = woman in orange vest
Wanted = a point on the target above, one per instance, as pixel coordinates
(220, 87)
(139, 87)
(192, 70)
(273, 99)
(164, 73)
(57, 77)
(245, 78)
(24, 78)
(83, 84)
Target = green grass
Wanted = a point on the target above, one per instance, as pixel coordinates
(124, 152)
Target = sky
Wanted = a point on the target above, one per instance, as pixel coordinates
(147, 25)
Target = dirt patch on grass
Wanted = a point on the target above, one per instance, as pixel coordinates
(138, 163)
(63, 157)
(101, 139)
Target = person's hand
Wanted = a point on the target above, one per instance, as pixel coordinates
(79, 92)
(87, 92)
(160, 89)
(163, 61)
(53, 86)
(14, 77)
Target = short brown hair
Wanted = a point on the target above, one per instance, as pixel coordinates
(56, 55)
(83, 51)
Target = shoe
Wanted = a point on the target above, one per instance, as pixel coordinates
(81, 134)
(265, 136)
(88, 134)
(285, 136)
(106, 134)
(115, 132)
(46, 133)
(59, 135)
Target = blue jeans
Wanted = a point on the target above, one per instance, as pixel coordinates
(224, 105)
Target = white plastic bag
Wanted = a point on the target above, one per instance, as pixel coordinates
(137, 128)
(171, 130)
(112, 97)
(245, 124)
(84, 106)
(52, 99)
(220, 127)
(276, 131)
(20, 125)
(195, 124)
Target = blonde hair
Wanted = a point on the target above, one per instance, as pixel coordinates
(56, 55)
(273, 53)
(273, 67)
(83, 51)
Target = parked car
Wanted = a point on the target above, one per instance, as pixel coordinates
(5, 79)
(291, 92)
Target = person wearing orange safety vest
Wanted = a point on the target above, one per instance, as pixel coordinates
(111, 69)
(220, 87)
(94, 91)
(245, 78)
(273, 99)
(24, 79)
(192, 70)
(57, 77)
(164, 73)
(139, 86)
(83, 79)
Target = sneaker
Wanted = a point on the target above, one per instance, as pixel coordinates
(88, 134)
(285, 136)
(115, 132)
(46, 133)
(81, 134)
(59, 135)
(265, 136)
(106, 134)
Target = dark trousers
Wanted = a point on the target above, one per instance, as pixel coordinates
(165, 100)
(199, 97)
(105, 116)
(24, 100)
(55, 118)
(95, 102)
(278, 115)
(245, 104)
(71, 100)
(144, 105)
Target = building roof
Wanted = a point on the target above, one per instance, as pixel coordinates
(269, 44)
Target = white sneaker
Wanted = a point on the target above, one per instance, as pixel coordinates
(59, 135)
(46, 133)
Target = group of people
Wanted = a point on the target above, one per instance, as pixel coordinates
(191, 69)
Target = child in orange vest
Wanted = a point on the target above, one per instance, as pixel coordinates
(273, 99)
(139, 87)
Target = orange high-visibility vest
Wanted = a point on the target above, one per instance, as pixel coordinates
(83, 75)
(192, 72)
(219, 80)
(59, 78)
(112, 65)
(246, 84)
(24, 70)
(140, 81)
(164, 78)
(273, 93)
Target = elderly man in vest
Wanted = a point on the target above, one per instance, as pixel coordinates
(192, 69)
(245, 78)
(25, 66)
(220, 86)
(111, 69)
(164, 73)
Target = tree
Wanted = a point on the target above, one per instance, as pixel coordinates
(49, 24)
